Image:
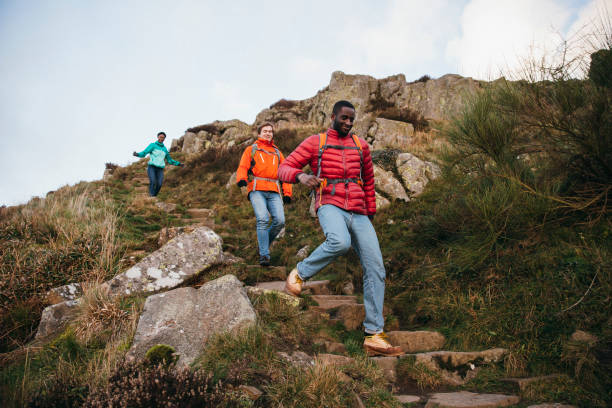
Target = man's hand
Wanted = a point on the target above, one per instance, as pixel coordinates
(309, 180)
(286, 199)
(135, 154)
(242, 183)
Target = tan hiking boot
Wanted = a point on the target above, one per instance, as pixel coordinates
(293, 284)
(378, 345)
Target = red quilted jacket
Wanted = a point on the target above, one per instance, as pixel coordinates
(335, 164)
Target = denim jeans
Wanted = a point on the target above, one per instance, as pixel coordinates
(344, 229)
(156, 178)
(267, 204)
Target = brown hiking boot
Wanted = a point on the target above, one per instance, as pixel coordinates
(378, 345)
(293, 284)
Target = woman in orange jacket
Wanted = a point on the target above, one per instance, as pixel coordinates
(266, 193)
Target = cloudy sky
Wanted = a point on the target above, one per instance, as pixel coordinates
(83, 83)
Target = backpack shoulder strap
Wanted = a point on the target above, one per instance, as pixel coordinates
(322, 141)
(358, 144)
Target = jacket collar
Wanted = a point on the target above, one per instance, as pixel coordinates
(264, 142)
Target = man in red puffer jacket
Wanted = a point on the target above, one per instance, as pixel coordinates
(345, 204)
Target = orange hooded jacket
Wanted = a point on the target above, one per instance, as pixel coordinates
(264, 170)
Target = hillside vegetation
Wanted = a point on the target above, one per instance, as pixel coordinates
(510, 248)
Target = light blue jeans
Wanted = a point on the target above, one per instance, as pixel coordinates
(267, 204)
(344, 229)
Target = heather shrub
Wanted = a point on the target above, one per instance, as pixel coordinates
(133, 385)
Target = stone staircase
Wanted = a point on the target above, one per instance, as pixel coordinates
(422, 347)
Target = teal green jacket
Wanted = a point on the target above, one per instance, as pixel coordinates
(158, 154)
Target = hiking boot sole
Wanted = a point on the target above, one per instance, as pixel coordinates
(372, 352)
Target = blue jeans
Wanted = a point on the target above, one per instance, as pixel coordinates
(267, 204)
(156, 178)
(344, 229)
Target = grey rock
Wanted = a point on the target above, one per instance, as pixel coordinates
(252, 392)
(391, 134)
(415, 341)
(381, 202)
(584, 337)
(415, 172)
(55, 318)
(186, 318)
(386, 182)
(348, 288)
(465, 399)
(388, 366)
(60, 294)
(166, 207)
(523, 383)
(456, 367)
(168, 233)
(303, 252)
(255, 292)
(231, 181)
(180, 259)
(334, 360)
(407, 399)
(297, 358)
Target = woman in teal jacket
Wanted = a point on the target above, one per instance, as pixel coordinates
(158, 154)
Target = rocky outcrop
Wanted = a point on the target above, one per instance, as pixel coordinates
(415, 172)
(431, 100)
(176, 262)
(386, 182)
(179, 260)
(186, 318)
(390, 134)
(217, 134)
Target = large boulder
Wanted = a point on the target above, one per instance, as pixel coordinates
(415, 172)
(385, 181)
(186, 318)
(181, 259)
(390, 134)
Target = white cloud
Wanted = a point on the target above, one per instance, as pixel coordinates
(497, 35)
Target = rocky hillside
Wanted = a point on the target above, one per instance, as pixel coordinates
(498, 272)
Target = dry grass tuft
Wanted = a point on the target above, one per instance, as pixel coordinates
(99, 314)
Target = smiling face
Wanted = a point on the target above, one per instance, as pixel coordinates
(266, 133)
(161, 137)
(342, 122)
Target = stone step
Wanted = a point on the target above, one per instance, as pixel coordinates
(417, 341)
(141, 189)
(470, 399)
(327, 302)
(317, 287)
(201, 213)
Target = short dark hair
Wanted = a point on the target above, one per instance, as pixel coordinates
(263, 125)
(162, 133)
(341, 104)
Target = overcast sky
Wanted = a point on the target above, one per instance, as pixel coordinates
(83, 83)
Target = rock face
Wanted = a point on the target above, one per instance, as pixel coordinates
(390, 134)
(456, 368)
(415, 172)
(179, 260)
(433, 100)
(186, 318)
(386, 182)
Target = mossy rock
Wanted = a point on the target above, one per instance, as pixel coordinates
(161, 354)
